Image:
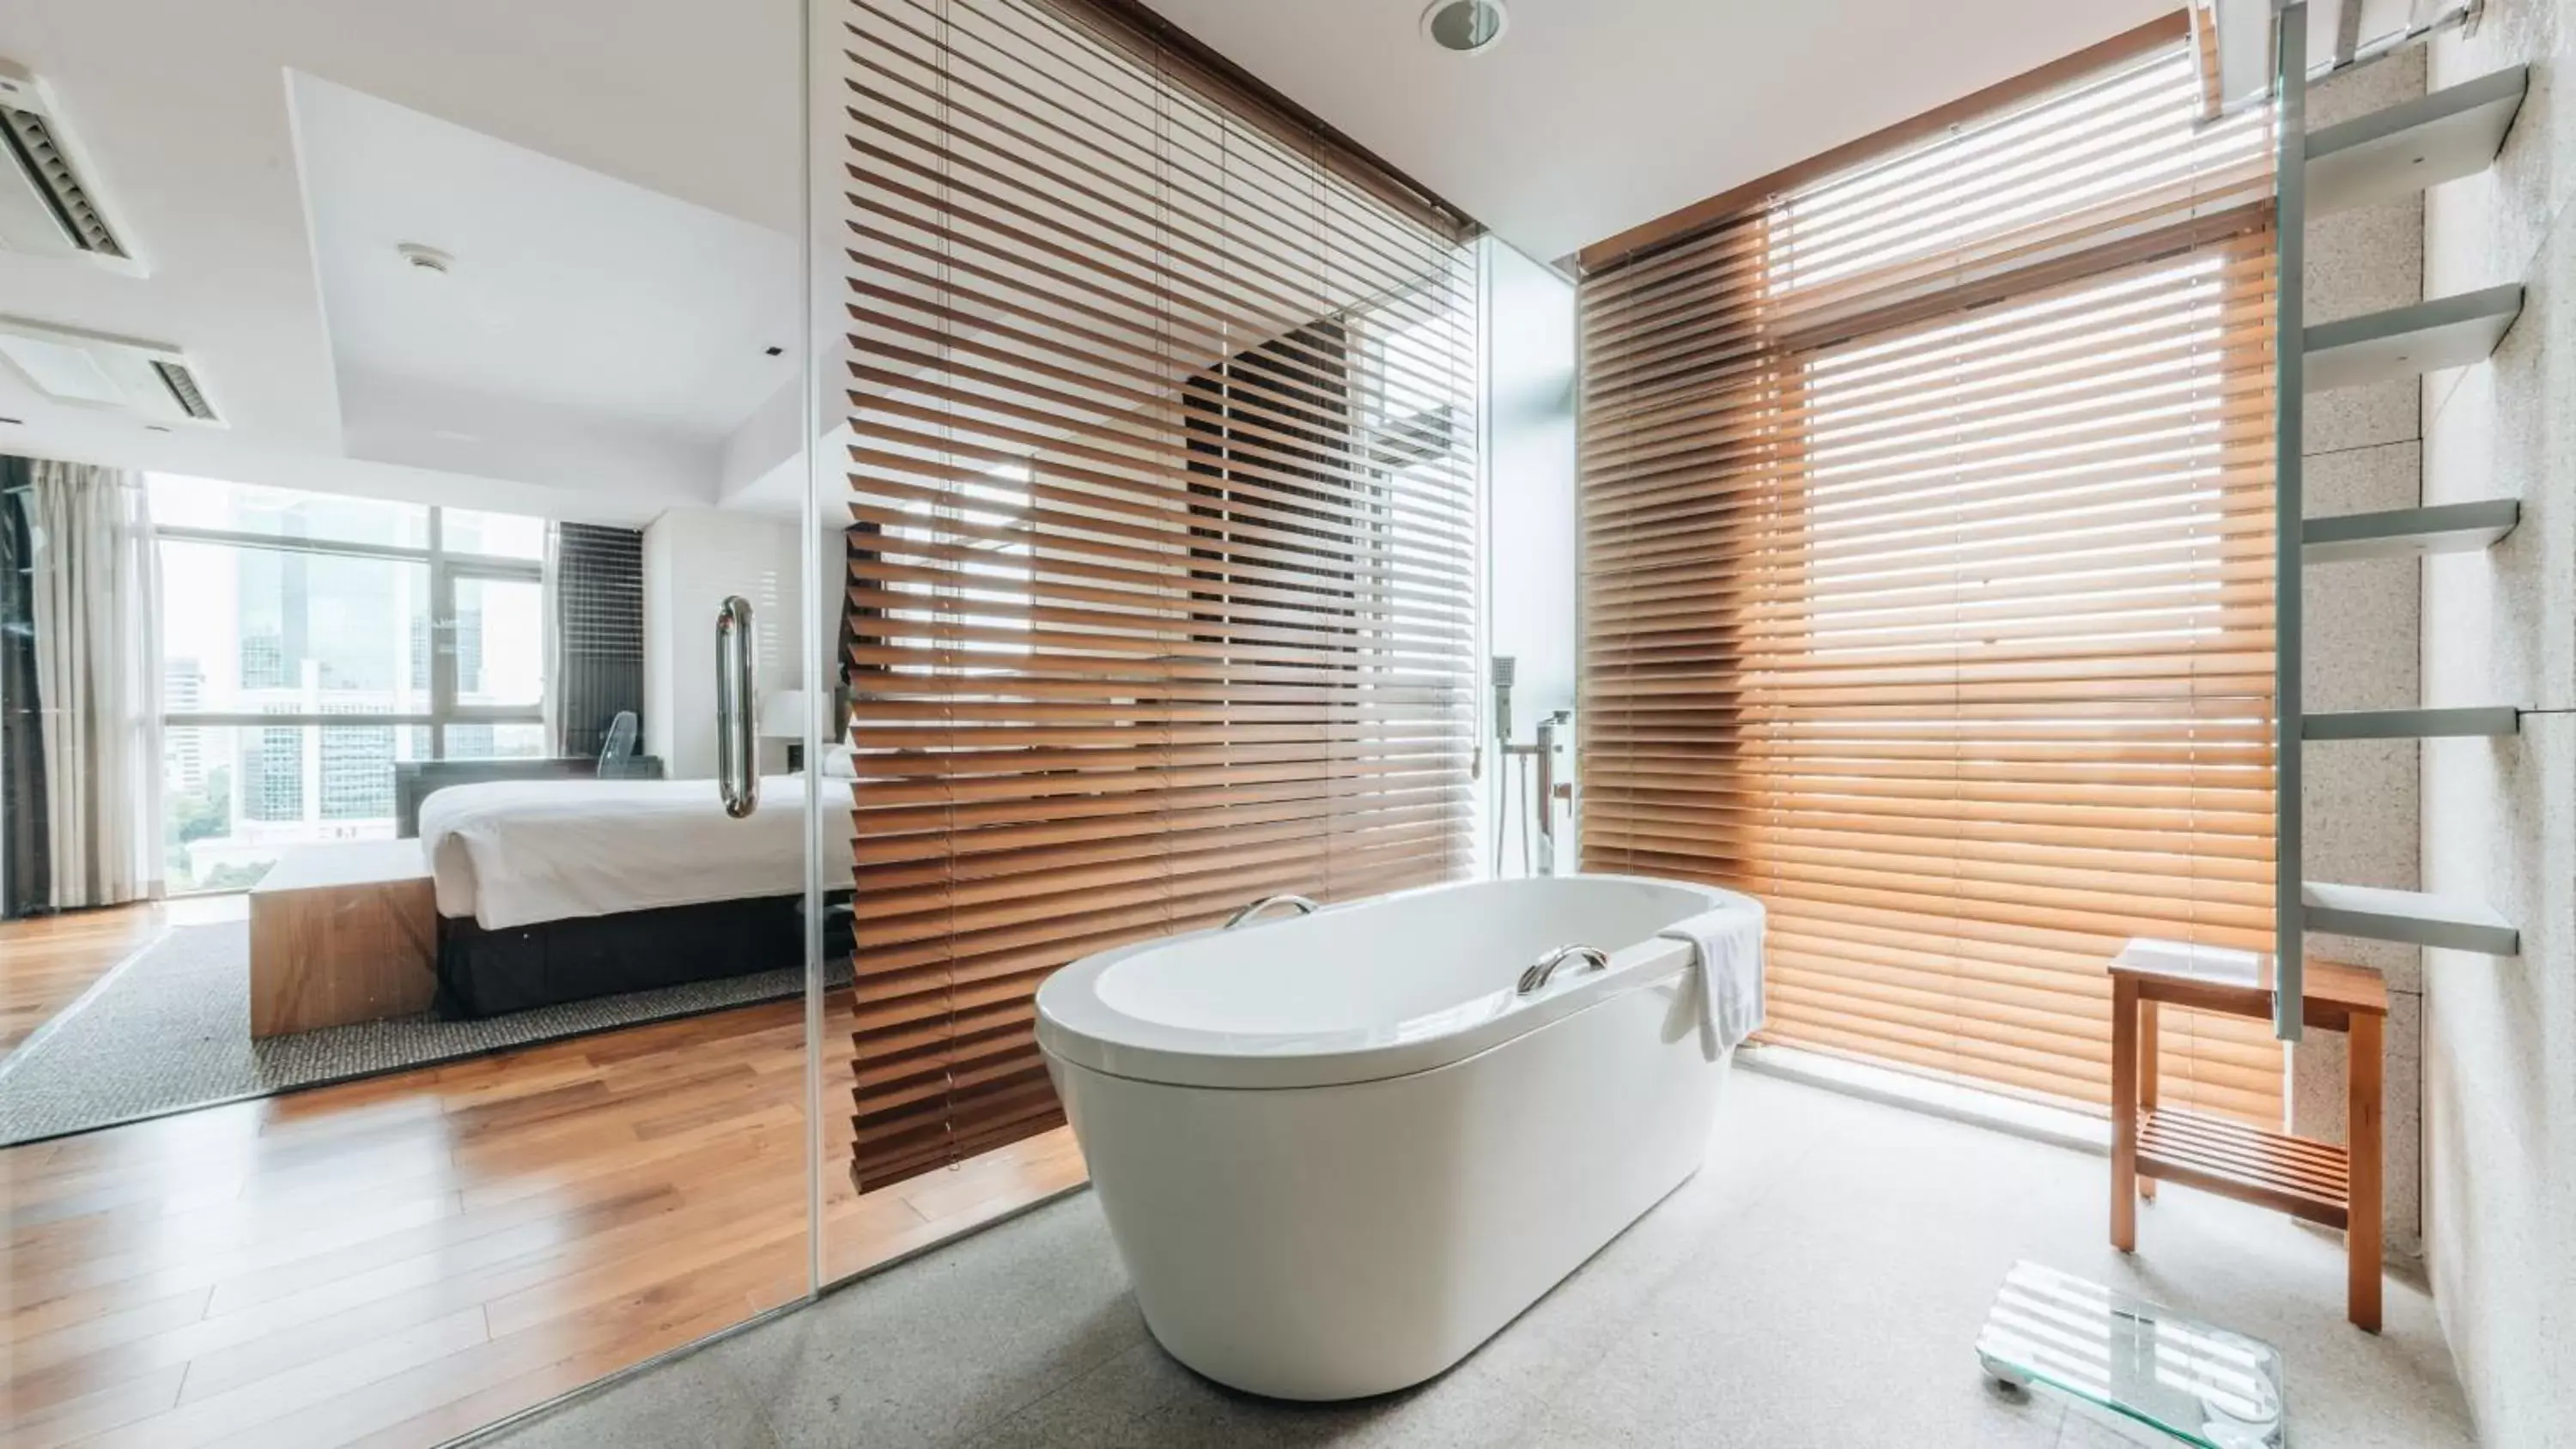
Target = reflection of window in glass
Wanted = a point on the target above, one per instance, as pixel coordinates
(496, 742)
(300, 641)
(253, 629)
(216, 506)
(499, 642)
(492, 535)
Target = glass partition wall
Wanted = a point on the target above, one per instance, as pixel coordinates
(678, 619)
(440, 1043)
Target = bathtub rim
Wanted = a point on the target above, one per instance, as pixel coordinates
(1077, 1026)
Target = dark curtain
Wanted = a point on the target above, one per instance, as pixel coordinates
(599, 611)
(26, 856)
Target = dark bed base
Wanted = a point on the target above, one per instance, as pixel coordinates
(485, 973)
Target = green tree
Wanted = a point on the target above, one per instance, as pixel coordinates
(203, 813)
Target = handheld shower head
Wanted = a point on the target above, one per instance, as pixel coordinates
(1505, 666)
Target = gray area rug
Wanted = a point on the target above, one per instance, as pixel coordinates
(170, 1030)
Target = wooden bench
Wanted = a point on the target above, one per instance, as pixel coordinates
(342, 933)
(2322, 1182)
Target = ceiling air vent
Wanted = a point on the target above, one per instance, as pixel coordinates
(47, 206)
(147, 380)
(183, 390)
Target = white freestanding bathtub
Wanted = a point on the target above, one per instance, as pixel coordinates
(1339, 1151)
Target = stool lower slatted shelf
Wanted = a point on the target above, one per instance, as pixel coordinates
(2304, 1178)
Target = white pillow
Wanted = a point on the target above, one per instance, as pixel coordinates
(838, 765)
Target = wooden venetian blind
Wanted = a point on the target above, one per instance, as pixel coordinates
(1928, 579)
(1162, 576)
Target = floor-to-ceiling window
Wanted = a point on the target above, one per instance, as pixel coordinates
(311, 643)
(1928, 596)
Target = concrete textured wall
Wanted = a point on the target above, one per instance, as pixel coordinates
(2364, 453)
(2500, 816)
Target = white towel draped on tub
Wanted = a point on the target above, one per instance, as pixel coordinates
(1728, 941)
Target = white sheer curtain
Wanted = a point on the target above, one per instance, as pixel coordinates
(97, 587)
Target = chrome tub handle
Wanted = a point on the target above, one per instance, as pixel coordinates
(1304, 907)
(1592, 957)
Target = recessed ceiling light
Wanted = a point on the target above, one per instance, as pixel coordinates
(1469, 27)
(425, 258)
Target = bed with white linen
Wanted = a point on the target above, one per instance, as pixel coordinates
(557, 890)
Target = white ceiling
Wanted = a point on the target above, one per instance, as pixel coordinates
(580, 311)
(618, 180)
(679, 120)
(1593, 116)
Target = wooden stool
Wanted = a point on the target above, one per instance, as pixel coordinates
(2319, 1181)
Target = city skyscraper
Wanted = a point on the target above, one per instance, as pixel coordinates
(183, 749)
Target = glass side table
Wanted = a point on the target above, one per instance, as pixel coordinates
(2138, 1360)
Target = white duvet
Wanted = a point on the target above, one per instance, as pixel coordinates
(516, 852)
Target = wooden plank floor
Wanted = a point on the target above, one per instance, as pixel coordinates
(397, 1261)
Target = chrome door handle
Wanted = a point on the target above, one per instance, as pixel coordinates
(737, 771)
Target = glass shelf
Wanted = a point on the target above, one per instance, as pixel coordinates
(2138, 1360)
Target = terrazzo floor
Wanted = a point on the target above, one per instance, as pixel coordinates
(1819, 1283)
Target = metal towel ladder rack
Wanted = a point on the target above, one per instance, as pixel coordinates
(2388, 154)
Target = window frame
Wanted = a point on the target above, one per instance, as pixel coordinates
(445, 568)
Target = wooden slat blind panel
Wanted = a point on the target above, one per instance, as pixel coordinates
(1928, 580)
(1164, 516)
